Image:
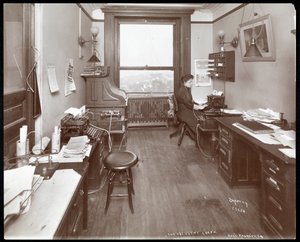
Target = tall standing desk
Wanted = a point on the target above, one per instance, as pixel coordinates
(59, 207)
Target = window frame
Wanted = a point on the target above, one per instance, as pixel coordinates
(147, 21)
(182, 39)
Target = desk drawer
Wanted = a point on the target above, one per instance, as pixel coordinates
(225, 132)
(274, 167)
(225, 161)
(226, 141)
(274, 187)
(75, 215)
(225, 137)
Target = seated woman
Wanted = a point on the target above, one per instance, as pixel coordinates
(185, 104)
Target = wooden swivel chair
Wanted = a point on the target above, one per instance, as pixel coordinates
(182, 128)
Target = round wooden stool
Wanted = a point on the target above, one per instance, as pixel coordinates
(120, 163)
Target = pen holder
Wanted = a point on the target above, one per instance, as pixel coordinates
(22, 149)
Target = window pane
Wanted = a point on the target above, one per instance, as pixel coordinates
(147, 81)
(146, 44)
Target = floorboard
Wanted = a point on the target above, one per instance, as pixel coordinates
(178, 194)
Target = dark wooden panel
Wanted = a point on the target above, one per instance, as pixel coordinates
(14, 117)
(12, 114)
(13, 99)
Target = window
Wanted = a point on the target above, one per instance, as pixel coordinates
(179, 19)
(146, 57)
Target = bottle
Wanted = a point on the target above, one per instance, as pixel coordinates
(55, 144)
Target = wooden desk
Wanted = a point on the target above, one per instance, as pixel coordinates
(207, 128)
(245, 160)
(58, 208)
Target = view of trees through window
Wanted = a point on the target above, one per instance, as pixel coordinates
(146, 58)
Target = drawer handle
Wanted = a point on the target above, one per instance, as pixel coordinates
(275, 203)
(225, 131)
(273, 183)
(223, 151)
(225, 166)
(272, 165)
(275, 222)
(225, 140)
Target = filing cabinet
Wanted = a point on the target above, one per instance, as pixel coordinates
(278, 196)
(223, 66)
(239, 165)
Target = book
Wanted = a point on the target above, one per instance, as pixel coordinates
(255, 127)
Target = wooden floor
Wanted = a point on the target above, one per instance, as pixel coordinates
(178, 194)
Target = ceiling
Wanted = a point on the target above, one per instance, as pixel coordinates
(197, 6)
(214, 9)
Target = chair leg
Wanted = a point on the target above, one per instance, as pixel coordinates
(129, 193)
(109, 189)
(182, 131)
(131, 179)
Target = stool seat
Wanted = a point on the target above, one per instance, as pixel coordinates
(120, 160)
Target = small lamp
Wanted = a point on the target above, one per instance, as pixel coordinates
(233, 43)
(94, 30)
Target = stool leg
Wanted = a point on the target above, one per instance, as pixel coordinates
(109, 189)
(129, 191)
(130, 175)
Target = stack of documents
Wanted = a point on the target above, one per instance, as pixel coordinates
(19, 184)
(77, 146)
(262, 115)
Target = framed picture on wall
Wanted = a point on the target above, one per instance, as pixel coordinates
(256, 40)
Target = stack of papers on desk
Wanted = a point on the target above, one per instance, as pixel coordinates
(289, 152)
(76, 149)
(286, 137)
(232, 111)
(19, 184)
(262, 115)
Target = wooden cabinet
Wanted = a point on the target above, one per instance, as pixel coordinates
(96, 164)
(73, 222)
(102, 98)
(223, 66)
(239, 153)
(75, 217)
(238, 160)
(278, 196)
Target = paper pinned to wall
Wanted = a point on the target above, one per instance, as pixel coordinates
(52, 78)
(69, 81)
(202, 71)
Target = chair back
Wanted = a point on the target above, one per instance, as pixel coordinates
(175, 103)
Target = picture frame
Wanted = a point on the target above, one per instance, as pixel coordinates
(260, 29)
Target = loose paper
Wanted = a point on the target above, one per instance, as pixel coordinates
(69, 81)
(52, 79)
(202, 68)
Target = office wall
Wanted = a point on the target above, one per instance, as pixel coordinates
(263, 84)
(60, 27)
(201, 46)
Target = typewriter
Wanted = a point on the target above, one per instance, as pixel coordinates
(73, 126)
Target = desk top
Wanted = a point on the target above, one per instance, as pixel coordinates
(271, 149)
(49, 204)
